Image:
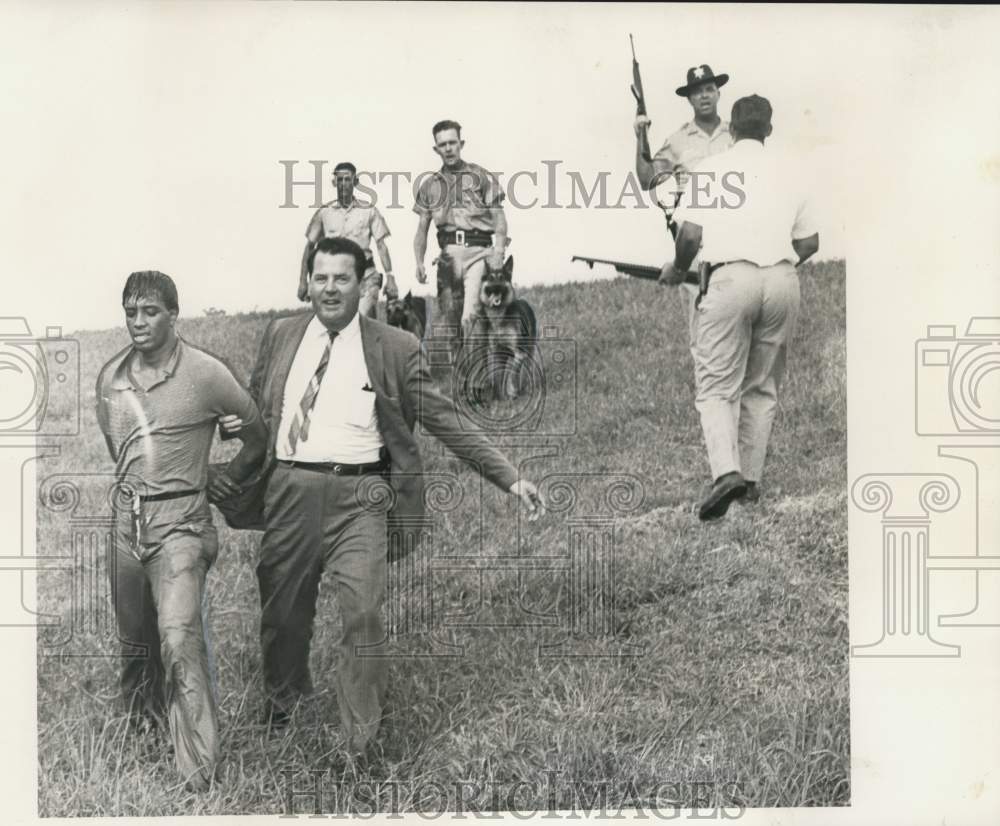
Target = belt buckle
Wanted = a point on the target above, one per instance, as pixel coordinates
(460, 237)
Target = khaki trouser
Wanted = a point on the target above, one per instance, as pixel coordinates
(459, 278)
(688, 296)
(315, 524)
(158, 605)
(743, 327)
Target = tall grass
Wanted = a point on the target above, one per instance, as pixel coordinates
(742, 624)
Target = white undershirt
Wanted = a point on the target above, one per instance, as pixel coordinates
(342, 426)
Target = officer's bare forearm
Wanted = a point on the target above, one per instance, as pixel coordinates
(420, 241)
(687, 245)
(644, 169)
(805, 248)
(251, 455)
(383, 255)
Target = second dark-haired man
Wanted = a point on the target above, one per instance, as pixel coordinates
(340, 394)
(345, 217)
(157, 404)
(465, 201)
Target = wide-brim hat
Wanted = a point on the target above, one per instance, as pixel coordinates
(698, 75)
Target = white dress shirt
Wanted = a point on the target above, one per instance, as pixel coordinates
(749, 203)
(342, 425)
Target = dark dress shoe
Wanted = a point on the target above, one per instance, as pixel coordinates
(274, 717)
(727, 488)
(753, 492)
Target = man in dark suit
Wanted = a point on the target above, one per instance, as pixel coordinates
(340, 394)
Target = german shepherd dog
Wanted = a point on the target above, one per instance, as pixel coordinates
(512, 330)
(409, 313)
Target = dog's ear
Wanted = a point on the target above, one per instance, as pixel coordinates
(408, 299)
(508, 268)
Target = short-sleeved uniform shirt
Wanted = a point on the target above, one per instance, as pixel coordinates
(464, 198)
(360, 223)
(162, 434)
(689, 145)
(750, 205)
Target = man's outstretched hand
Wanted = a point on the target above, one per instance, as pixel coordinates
(530, 498)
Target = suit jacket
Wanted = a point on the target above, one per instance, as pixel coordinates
(404, 392)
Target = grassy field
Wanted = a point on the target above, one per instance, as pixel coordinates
(734, 690)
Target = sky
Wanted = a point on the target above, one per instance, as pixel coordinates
(150, 136)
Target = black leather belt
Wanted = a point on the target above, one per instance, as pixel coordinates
(465, 238)
(338, 468)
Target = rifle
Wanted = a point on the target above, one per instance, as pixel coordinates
(635, 270)
(640, 105)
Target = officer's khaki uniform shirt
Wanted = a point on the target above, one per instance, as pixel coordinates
(689, 145)
(465, 198)
(360, 223)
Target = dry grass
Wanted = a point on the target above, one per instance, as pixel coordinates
(742, 683)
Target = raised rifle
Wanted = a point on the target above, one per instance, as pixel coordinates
(635, 270)
(640, 104)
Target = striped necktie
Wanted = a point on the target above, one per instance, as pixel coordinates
(299, 430)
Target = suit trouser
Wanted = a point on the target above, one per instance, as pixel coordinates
(315, 523)
(743, 327)
(158, 605)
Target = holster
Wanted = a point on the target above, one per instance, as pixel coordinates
(704, 276)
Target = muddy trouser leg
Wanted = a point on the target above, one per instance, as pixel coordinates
(135, 610)
(177, 572)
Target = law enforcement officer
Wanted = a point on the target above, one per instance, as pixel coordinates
(704, 135)
(346, 217)
(749, 214)
(465, 201)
